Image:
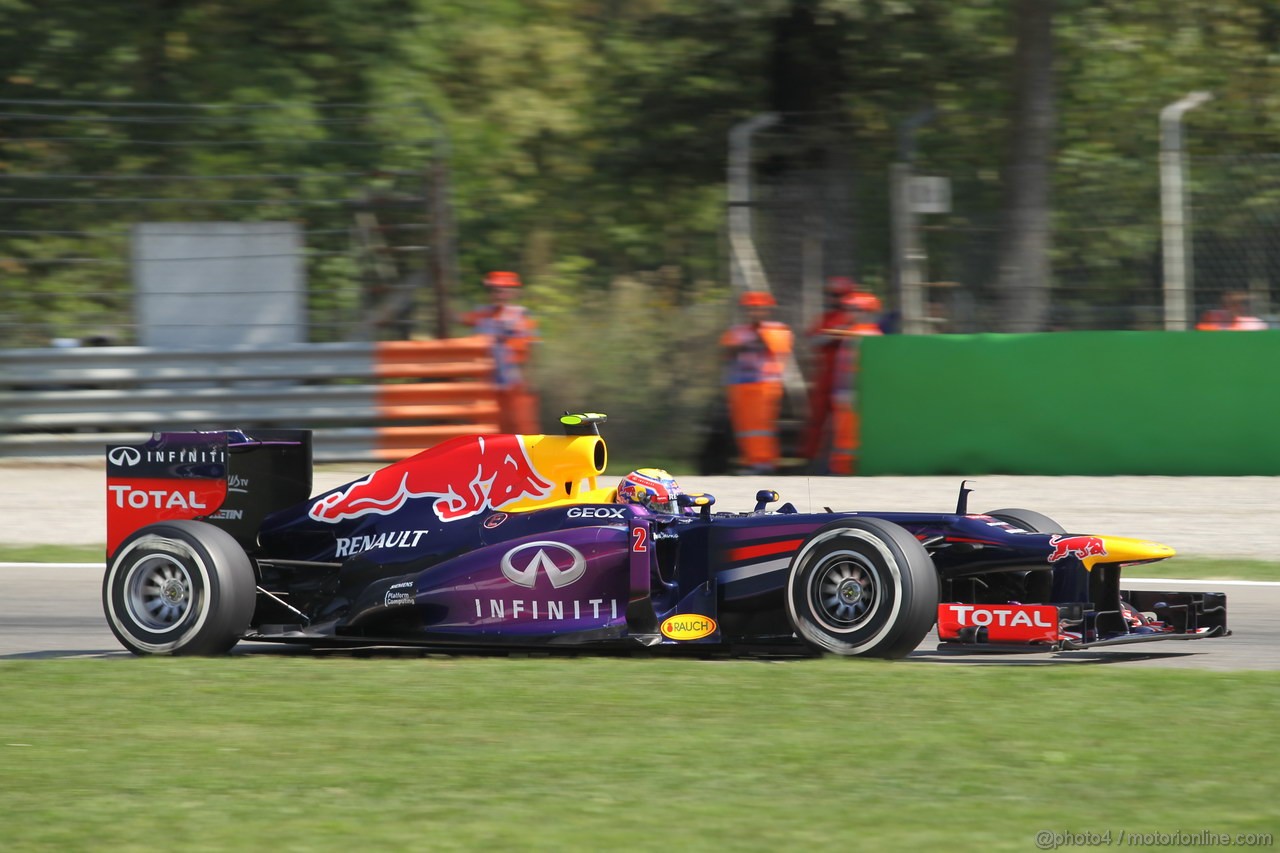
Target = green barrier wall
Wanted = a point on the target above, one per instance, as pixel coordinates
(1177, 403)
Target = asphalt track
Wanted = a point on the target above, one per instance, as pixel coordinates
(51, 611)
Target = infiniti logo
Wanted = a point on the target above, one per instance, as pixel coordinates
(544, 561)
(127, 456)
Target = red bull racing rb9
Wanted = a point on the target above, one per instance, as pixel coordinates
(508, 542)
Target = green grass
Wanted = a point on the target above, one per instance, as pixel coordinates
(1206, 567)
(52, 553)
(594, 754)
(1181, 567)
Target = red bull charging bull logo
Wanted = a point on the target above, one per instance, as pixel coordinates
(467, 477)
(1075, 546)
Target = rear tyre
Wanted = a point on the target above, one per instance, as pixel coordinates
(862, 586)
(179, 588)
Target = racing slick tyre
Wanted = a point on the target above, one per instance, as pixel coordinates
(862, 586)
(179, 588)
(1028, 519)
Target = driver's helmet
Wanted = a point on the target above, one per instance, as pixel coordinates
(652, 488)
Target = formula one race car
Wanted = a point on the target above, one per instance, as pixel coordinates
(510, 541)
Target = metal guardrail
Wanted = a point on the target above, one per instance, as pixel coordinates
(359, 398)
(133, 366)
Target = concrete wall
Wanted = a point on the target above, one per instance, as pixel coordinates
(218, 284)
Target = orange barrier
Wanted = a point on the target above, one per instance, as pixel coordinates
(458, 400)
(449, 359)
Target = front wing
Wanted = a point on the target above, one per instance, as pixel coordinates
(1150, 616)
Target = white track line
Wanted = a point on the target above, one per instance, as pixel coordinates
(1185, 581)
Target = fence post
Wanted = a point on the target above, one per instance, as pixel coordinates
(745, 270)
(744, 264)
(908, 251)
(1174, 215)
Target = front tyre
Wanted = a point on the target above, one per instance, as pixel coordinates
(862, 586)
(1027, 519)
(179, 588)
(1037, 586)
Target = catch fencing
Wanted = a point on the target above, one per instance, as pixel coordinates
(822, 201)
(365, 401)
(376, 250)
(1234, 224)
(366, 191)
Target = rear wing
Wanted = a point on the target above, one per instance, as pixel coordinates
(229, 478)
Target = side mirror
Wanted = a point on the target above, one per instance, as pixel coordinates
(702, 500)
(764, 497)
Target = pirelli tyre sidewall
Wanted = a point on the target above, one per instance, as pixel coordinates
(179, 588)
(862, 586)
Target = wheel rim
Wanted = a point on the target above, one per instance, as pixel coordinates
(158, 593)
(845, 591)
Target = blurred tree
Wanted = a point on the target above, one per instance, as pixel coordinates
(588, 136)
(1024, 278)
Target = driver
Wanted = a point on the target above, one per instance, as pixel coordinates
(651, 488)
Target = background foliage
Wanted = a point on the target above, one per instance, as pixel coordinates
(586, 142)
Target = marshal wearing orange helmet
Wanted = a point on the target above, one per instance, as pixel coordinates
(835, 315)
(755, 350)
(845, 423)
(513, 333)
(850, 316)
